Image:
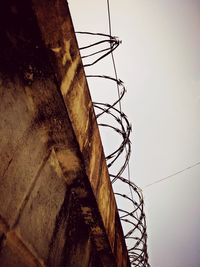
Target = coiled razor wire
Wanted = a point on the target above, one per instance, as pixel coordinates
(129, 197)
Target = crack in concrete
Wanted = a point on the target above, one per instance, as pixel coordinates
(30, 189)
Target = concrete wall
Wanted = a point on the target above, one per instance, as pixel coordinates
(57, 207)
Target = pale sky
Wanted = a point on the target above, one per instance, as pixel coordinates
(159, 62)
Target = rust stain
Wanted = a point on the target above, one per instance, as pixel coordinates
(87, 214)
(81, 192)
(79, 110)
(95, 154)
(55, 164)
(66, 55)
(56, 49)
(68, 160)
(69, 76)
(28, 74)
(29, 99)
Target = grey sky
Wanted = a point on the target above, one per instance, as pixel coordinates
(159, 61)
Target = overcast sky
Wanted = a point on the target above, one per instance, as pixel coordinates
(159, 62)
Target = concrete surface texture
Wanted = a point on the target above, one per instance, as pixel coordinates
(57, 207)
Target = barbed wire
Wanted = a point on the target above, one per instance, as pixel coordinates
(112, 41)
(110, 116)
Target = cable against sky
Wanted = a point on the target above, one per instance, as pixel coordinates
(172, 175)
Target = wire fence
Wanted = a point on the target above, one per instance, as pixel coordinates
(110, 116)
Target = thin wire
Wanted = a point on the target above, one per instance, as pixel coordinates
(137, 260)
(172, 175)
(112, 55)
(116, 76)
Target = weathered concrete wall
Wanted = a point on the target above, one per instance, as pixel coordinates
(57, 206)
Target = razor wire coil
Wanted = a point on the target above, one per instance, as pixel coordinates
(130, 202)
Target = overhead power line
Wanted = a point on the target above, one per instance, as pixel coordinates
(172, 175)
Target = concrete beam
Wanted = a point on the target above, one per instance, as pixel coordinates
(56, 198)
